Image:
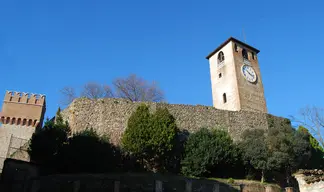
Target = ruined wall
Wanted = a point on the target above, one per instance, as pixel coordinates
(110, 115)
(310, 180)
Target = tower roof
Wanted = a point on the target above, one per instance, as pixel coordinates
(227, 41)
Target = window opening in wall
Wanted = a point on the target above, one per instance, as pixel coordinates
(24, 122)
(252, 55)
(220, 57)
(220, 75)
(35, 121)
(13, 121)
(245, 54)
(235, 48)
(10, 99)
(224, 98)
(29, 122)
(8, 120)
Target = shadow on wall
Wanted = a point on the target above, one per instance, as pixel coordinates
(24, 176)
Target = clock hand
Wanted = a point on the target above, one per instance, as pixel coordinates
(249, 73)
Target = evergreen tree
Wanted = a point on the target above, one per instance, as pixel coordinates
(207, 151)
(151, 138)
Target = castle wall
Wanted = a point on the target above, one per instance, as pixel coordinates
(110, 116)
(12, 138)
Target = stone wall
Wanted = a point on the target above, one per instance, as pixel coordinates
(110, 116)
(12, 137)
(310, 180)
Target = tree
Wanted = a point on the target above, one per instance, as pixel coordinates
(316, 161)
(132, 88)
(87, 152)
(281, 148)
(94, 90)
(255, 151)
(151, 138)
(207, 150)
(68, 94)
(288, 149)
(47, 142)
(135, 88)
(313, 119)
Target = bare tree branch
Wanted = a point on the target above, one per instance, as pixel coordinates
(68, 95)
(94, 90)
(313, 119)
(132, 88)
(137, 89)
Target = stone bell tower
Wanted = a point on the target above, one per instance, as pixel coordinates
(236, 78)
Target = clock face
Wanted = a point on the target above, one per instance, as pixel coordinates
(248, 73)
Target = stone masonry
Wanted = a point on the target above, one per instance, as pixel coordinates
(110, 115)
(21, 115)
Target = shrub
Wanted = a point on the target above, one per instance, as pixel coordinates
(151, 138)
(207, 151)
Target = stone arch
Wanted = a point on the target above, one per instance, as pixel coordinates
(220, 57)
(24, 122)
(2, 119)
(245, 54)
(29, 122)
(13, 121)
(8, 120)
(35, 123)
(19, 121)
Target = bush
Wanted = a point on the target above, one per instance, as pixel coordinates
(208, 151)
(47, 142)
(87, 152)
(151, 138)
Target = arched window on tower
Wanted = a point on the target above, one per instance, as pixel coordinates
(220, 57)
(235, 47)
(245, 54)
(224, 98)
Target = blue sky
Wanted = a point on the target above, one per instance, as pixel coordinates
(46, 45)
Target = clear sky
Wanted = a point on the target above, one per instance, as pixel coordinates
(46, 45)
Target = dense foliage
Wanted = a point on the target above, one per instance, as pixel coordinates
(316, 161)
(152, 142)
(281, 149)
(151, 137)
(46, 143)
(207, 151)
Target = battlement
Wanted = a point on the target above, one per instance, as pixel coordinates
(23, 109)
(24, 98)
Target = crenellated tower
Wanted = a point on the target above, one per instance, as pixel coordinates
(23, 109)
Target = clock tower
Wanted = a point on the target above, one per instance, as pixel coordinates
(236, 78)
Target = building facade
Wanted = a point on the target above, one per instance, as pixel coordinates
(236, 77)
(21, 115)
